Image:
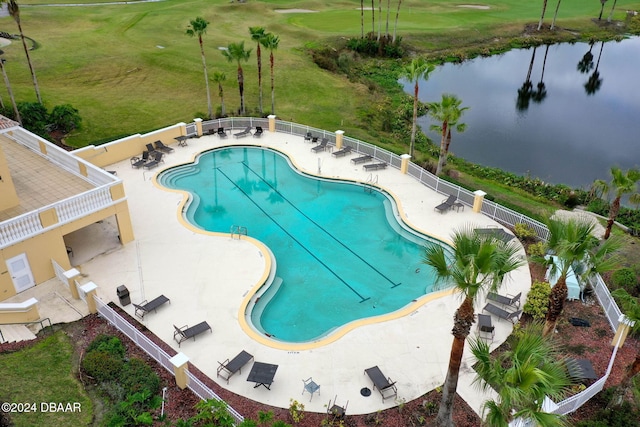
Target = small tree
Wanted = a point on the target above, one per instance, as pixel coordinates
(236, 52)
(418, 69)
(219, 77)
(198, 28)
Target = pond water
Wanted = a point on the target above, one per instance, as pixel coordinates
(583, 119)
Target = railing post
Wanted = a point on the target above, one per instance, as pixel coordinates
(339, 136)
(198, 123)
(70, 276)
(90, 291)
(272, 122)
(404, 165)
(180, 369)
(623, 330)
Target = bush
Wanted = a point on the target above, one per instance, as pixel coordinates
(102, 366)
(107, 344)
(537, 249)
(537, 300)
(137, 376)
(625, 278)
(65, 118)
(34, 117)
(524, 232)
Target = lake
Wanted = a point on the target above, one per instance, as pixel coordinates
(569, 132)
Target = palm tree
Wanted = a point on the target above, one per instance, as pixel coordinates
(631, 307)
(373, 17)
(555, 15)
(379, 18)
(236, 52)
(526, 90)
(395, 27)
(621, 183)
(386, 31)
(477, 264)
(219, 77)
(271, 42)
(544, 8)
(447, 112)
(361, 19)
(257, 34)
(198, 28)
(528, 371)
(539, 95)
(8, 85)
(594, 82)
(573, 243)
(602, 2)
(612, 9)
(586, 63)
(418, 69)
(14, 11)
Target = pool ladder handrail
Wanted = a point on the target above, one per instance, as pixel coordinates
(370, 183)
(239, 230)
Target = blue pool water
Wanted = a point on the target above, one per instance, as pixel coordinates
(341, 255)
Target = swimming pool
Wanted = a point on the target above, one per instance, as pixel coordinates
(341, 253)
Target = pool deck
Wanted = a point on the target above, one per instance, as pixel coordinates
(207, 277)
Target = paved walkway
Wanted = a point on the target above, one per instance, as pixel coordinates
(206, 277)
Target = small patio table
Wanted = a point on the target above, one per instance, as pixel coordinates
(182, 140)
(262, 374)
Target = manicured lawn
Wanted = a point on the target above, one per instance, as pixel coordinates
(40, 375)
(130, 68)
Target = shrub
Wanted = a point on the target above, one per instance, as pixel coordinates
(537, 249)
(65, 118)
(34, 117)
(136, 376)
(537, 300)
(524, 231)
(102, 366)
(108, 344)
(625, 278)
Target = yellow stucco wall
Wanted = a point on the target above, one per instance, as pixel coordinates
(8, 195)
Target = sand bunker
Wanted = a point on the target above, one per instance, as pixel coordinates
(474, 6)
(295, 11)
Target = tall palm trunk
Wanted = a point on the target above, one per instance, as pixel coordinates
(613, 213)
(259, 55)
(462, 322)
(395, 27)
(361, 19)
(446, 147)
(555, 15)
(13, 100)
(414, 125)
(556, 304)
(602, 2)
(379, 18)
(544, 8)
(443, 144)
(273, 92)
(386, 31)
(206, 78)
(14, 11)
(612, 9)
(373, 17)
(241, 87)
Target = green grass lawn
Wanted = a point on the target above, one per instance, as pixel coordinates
(40, 375)
(130, 68)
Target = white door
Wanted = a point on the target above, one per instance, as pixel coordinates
(20, 272)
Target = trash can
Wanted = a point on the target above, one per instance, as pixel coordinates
(123, 294)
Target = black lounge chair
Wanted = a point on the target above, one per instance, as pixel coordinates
(155, 162)
(446, 204)
(145, 307)
(362, 159)
(258, 132)
(245, 132)
(485, 327)
(186, 332)
(308, 137)
(385, 386)
(222, 133)
(508, 300)
(161, 147)
(228, 368)
(503, 314)
(580, 370)
(150, 149)
(497, 232)
(346, 150)
(336, 411)
(375, 166)
(320, 147)
(138, 162)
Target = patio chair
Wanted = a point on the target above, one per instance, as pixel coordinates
(314, 139)
(346, 150)
(145, 307)
(307, 137)
(155, 161)
(486, 329)
(311, 387)
(161, 147)
(375, 166)
(222, 133)
(446, 204)
(186, 332)
(150, 148)
(362, 159)
(385, 386)
(503, 314)
(245, 132)
(335, 411)
(258, 132)
(138, 162)
(508, 300)
(320, 147)
(228, 368)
